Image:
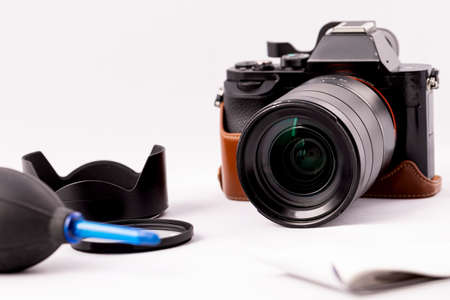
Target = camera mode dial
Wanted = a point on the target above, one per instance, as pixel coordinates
(294, 60)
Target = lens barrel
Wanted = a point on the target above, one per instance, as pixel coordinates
(305, 157)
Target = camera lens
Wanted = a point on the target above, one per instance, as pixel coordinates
(304, 158)
(301, 159)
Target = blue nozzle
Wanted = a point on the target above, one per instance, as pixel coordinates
(77, 228)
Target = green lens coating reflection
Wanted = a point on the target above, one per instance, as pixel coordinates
(309, 156)
(294, 124)
(301, 159)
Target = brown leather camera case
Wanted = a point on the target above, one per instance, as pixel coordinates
(404, 181)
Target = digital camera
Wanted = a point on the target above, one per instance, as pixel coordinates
(302, 138)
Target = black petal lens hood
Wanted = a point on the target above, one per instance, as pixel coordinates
(108, 191)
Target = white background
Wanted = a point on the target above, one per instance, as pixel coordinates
(88, 80)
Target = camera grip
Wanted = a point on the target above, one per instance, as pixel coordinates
(228, 175)
(404, 181)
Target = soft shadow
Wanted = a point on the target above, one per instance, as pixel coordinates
(202, 203)
(413, 282)
(187, 207)
(57, 266)
(317, 283)
(372, 211)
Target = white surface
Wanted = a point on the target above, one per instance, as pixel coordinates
(87, 80)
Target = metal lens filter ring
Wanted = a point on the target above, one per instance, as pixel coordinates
(110, 192)
(184, 232)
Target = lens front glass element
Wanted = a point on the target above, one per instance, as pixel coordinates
(301, 159)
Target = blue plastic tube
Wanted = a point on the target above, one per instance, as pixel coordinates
(77, 228)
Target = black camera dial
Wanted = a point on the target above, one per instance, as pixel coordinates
(294, 60)
(248, 64)
(265, 65)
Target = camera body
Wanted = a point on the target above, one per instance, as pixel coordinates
(345, 51)
(252, 85)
